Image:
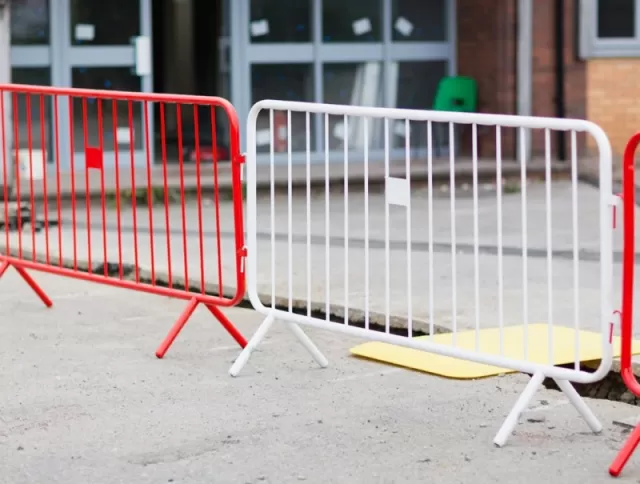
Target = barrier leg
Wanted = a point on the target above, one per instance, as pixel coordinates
(625, 453)
(253, 343)
(259, 335)
(228, 325)
(176, 328)
(582, 408)
(29, 280)
(308, 344)
(184, 317)
(520, 406)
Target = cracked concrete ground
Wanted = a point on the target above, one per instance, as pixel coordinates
(85, 401)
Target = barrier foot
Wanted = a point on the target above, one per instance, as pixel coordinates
(309, 345)
(29, 280)
(520, 406)
(259, 335)
(184, 317)
(579, 404)
(253, 343)
(625, 453)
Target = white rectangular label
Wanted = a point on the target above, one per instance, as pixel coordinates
(397, 191)
(338, 130)
(403, 26)
(124, 136)
(85, 32)
(143, 56)
(401, 128)
(263, 137)
(31, 164)
(259, 28)
(362, 26)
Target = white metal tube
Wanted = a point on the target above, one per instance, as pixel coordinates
(346, 219)
(327, 222)
(500, 242)
(576, 248)
(308, 180)
(431, 234)
(407, 155)
(387, 252)
(290, 210)
(525, 238)
(366, 222)
(549, 213)
(454, 270)
(476, 234)
(272, 198)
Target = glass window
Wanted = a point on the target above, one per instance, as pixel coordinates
(351, 21)
(280, 21)
(616, 19)
(115, 78)
(36, 118)
(104, 23)
(29, 22)
(359, 84)
(417, 20)
(287, 82)
(415, 88)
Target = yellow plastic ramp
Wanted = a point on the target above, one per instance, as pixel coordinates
(489, 343)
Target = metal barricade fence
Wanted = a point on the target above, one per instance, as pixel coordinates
(628, 283)
(85, 195)
(367, 260)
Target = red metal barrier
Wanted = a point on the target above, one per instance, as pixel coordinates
(626, 318)
(103, 204)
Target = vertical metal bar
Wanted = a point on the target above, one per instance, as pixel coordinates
(407, 149)
(525, 239)
(45, 188)
(454, 270)
(500, 235)
(165, 182)
(134, 204)
(308, 182)
(576, 249)
(272, 205)
(150, 197)
(327, 223)
(196, 133)
(31, 187)
(290, 210)
(116, 151)
(387, 250)
(431, 231)
(103, 203)
(346, 219)
(87, 193)
(366, 222)
(549, 208)
(476, 234)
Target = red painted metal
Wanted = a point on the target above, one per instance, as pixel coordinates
(626, 316)
(25, 249)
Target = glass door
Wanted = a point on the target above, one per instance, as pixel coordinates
(108, 46)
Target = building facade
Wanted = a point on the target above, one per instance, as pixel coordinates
(583, 55)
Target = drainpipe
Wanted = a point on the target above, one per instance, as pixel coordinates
(560, 75)
(524, 65)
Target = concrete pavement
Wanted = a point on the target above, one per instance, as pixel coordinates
(84, 400)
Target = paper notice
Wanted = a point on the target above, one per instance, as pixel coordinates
(403, 26)
(263, 137)
(338, 130)
(124, 136)
(397, 191)
(85, 32)
(259, 28)
(401, 129)
(362, 26)
(31, 164)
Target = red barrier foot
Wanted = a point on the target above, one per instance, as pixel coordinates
(182, 321)
(29, 280)
(625, 453)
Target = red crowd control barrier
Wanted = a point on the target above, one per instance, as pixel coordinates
(92, 191)
(626, 317)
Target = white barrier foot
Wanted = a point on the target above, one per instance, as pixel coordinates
(578, 402)
(308, 344)
(259, 335)
(252, 344)
(520, 406)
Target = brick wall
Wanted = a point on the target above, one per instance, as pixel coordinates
(613, 98)
(487, 51)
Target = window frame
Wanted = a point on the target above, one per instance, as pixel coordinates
(593, 47)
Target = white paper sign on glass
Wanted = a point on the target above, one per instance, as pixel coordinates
(362, 26)
(85, 32)
(259, 28)
(403, 26)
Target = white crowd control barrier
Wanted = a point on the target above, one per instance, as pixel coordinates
(416, 253)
